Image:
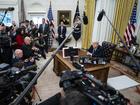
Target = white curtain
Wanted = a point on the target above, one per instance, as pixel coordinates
(137, 32)
(102, 30)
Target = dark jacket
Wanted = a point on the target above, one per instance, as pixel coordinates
(46, 29)
(62, 32)
(98, 52)
(27, 51)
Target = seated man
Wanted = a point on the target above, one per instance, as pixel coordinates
(28, 51)
(95, 50)
(18, 61)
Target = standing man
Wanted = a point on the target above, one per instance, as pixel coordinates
(44, 31)
(61, 32)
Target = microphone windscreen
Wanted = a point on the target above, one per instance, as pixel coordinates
(100, 16)
(85, 20)
(10, 8)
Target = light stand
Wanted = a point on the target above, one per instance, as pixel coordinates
(102, 13)
(20, 97)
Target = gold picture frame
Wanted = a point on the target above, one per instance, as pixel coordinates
(65, 16)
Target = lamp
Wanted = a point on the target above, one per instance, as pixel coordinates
(99, 18)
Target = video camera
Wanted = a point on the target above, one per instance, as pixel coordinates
(12, 83)
(99, 93)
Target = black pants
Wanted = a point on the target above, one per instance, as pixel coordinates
(46, 44)
(60, 40)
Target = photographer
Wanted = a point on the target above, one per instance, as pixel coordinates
(28, 51)
(40, 43)
(69, 97)
(17, 61)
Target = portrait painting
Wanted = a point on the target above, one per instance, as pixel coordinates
(65, 16)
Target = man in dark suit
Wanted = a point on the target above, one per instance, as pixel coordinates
(44, 30)
(95, 50)
(61, 32)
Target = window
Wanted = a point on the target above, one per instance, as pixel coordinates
(8, 18)
(37, 18)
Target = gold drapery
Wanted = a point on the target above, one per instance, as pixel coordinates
(88, 29)
(122, 15)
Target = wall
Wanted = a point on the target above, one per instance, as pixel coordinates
(42, 6)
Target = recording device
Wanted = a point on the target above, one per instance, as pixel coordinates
(12, 82)
(94, 89)
(91, 60)
(85, 18)
(100, 16)
(10, 9)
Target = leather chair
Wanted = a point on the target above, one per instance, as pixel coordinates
(108, 49)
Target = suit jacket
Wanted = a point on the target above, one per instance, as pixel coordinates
(46, 29)
(98, 52)
(62, 32)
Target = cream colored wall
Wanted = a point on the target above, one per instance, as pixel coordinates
(42, 6)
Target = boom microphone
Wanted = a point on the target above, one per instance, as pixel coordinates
(100, 16)
(85, 19)
(10, 9)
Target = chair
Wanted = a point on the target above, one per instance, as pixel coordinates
(108, 49)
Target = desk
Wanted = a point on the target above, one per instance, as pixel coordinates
(99, 71)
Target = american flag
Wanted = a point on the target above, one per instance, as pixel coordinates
(51, 21)
(131, 27)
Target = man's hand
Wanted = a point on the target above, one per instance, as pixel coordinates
(88, 53)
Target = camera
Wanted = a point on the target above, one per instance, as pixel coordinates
(12, 82)
(99, 93)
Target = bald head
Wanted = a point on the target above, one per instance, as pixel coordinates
(18, 53)
(27, 40)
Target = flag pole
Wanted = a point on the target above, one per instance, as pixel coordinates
(129, 52)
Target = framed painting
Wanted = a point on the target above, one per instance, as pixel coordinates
(65, 16)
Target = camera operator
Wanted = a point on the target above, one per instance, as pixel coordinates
(18, 61)
(40, 43)
(69, 97)
(28, 51)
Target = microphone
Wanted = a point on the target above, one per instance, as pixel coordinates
(85, 19)
(10, 9)
(100, 16)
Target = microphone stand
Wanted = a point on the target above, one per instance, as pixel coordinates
(20, 97)
(130, 53)
(3, 16)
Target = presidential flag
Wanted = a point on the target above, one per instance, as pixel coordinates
(77, 23)
(77, 13)
(131, 27)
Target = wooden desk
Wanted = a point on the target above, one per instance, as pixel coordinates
(99, 71)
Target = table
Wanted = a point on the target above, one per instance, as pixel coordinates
(99, 71)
